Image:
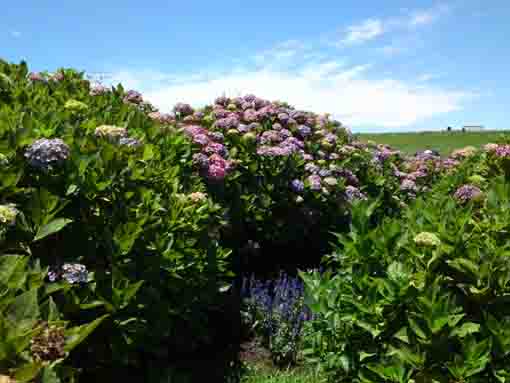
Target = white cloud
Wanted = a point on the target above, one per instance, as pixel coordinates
(428, 77)
(427, 16)
(365, 31)
(332, 87)
(373, 28)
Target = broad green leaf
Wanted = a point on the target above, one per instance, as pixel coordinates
(27, 372)
(76, 335)
(24, 310)
(466, 329)
(52, 227)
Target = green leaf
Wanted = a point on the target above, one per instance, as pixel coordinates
(465, 266)
(76, 335)
(27, 372)
(24, 310)
(466, 329)
(12, 270)
(49, 376)
(52, 227)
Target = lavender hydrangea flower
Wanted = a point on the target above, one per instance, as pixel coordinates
(133, 97)
(408, 185)
(74, 273)
(200, 139)
(36, 77)
(201, 160)
(502, 151)
(217, 136)
(467, 193)
(98, 90)
(130, 142)
(183, 109)
(304, 131)
(46, 153)
(297, 185)
(325, 172)
(311, 168)
(353, 193)
(222, 100)
(315, 182)
(215, 148)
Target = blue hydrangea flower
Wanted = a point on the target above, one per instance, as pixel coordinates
(45, 154)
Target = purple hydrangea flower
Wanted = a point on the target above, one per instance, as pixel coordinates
(201, 160)
(215, 148)
(315, 182)
(216, 136)
(304, 131)
(311, 168)
(297, 185)
(325, 172)
(250, 115)
(352, 193)
(467, 193)
(200, 139)
(222, 100)
(408, 185)
(133, 97)
(74, 273)
(98, 90)
(34, 77)
(183, 109)
(502, 151)
(130, 142)
(47, 153)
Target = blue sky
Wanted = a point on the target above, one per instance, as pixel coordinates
(376, 66)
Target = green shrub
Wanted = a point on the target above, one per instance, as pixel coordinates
(422, 298)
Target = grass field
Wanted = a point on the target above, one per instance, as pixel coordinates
(443, 142)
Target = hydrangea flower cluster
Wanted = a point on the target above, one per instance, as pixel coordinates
(130, 142)
(8, 214)
(48, 346)
(162, 118)
(466, 152)
(98, 90)
(427, 239)
(352, 194)
(183, 109)
(45, 154)
(57, 77)
(467, 193)
(70, 272)
(197, 197)
(502, 151)
(133, 97)
(36, 77)
(212, 159)
(111, 132)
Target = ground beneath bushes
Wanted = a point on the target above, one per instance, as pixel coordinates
(253, 352)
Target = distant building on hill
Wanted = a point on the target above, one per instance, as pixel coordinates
(473, 128)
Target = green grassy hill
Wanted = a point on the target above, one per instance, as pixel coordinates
(444, 142)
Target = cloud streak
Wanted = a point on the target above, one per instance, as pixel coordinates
(373, 28)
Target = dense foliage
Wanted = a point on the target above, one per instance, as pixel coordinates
(125, 234)
(423, 297)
